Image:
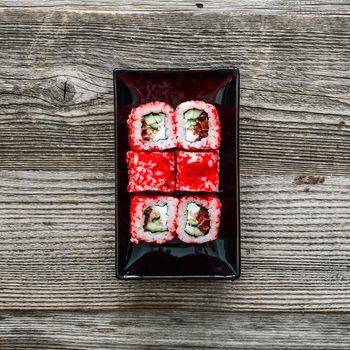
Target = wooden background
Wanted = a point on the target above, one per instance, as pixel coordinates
(57, 284)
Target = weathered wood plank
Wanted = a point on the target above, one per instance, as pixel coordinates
(247, 6)
(56, 105)
(57, 247)
(168, 329)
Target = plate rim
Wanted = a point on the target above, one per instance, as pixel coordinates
(231, 277)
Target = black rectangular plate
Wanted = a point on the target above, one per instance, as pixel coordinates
(219, 259)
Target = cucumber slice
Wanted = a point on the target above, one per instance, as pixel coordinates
(159, 117)
(189, 114)
(150, 119)
(151, 226)
(191, 122)
(155, 227)
(196, 113)
(192, 222)
(154, 126)
(192, 113)
(193, 231)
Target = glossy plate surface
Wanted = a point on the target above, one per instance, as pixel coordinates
(219, 259)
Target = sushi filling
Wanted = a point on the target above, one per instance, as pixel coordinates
(156, 219)
(197, 124)
(153, 127)
(198, 222)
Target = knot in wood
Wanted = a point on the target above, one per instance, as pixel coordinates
(63, 90)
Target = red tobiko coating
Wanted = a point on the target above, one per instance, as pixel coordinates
(197, 171)
(151, 171)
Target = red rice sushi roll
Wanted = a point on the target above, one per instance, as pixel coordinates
(197, 126)
(152, 218)
(198, 218)
(152, 127)
(151, 171)
(197, 171)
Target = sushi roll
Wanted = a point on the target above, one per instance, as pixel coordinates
(198, 218)
(197, 171)
(151, 171)
(152, 127)
(152, 218)
(197, 126)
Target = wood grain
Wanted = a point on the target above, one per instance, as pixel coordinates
(140, 329)
(248, 6)
(57, 180)
(57, 247)
(56, 105)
